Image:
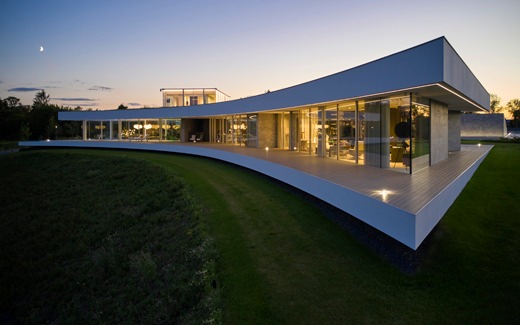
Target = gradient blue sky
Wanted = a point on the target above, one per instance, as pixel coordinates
(100, 54)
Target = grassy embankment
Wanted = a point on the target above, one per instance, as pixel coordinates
(111, 240)
(282, 260)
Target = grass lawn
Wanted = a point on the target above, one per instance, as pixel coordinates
(111, 240)
(280, 260)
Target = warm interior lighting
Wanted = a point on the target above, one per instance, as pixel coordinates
(479, 144)
(266, 148)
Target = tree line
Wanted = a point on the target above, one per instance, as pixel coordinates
(38, 121)
(512, 106)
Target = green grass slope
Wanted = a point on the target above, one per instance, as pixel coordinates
(86, 239)
(281, 260)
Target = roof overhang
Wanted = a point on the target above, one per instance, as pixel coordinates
(433, 70)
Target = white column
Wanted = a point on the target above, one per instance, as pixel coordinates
(84, 130)
(160, 129)
(120, 130)
(323, 143)
(337, 131)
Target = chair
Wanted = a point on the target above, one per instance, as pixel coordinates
(140, 138)
(360, 150)
(200, 137)
(193, 138)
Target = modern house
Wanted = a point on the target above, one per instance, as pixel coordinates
(401, 113)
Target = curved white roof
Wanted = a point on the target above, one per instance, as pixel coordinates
(432, 70)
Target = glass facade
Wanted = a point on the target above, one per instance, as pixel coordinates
(392, 133)
(153, 129)
(420, 111)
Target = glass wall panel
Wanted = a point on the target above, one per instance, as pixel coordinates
(151, 129)
(126, 130)
(344, 143)
(372, 139)
(400, 130)
(385, 133)
(98, 130)
(236, 129)
(295, 127)
(314, 130)
(284, 130)
(358, 151)
(304, 128)
(237, 133)
(217, 133)
(91, 131)
(420, 133)
(242, 128)
(252, 133)
(114, 125)
(331, 131)
(172, 129)
(226, 129)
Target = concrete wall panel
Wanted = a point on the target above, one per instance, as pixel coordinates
(454, 130)
(439, 132)
(267, 130)
(483, 125)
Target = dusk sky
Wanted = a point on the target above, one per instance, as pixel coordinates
(99, 54)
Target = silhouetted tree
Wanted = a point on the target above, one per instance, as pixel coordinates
(39, 119)
(69, 129)
(41, 116)
(41, 99)
(12, 102)
(122, 107)
(513, 106)
(494, 103)
(12, 116)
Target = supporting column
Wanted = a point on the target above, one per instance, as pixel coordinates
(211, 130)
(160, 130)
(337, 129)
(322, 145)
(454, 126)
(110, 130)
(84, 130)
(310, 136)
(356, 141)
(120, 130)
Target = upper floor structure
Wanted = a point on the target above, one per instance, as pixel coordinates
(177, 97)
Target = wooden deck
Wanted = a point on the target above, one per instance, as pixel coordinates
(407, 192)
(410, 209)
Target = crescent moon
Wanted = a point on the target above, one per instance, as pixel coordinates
(41, 48)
